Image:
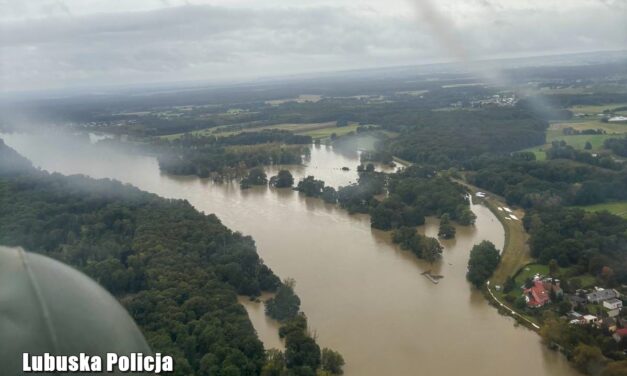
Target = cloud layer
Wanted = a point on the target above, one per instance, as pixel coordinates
(62, 44)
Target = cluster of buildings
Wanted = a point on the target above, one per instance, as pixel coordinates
(608, 314)
(606, 302)
(104, 124)
(497, 100)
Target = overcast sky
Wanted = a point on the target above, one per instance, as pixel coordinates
(79, 43)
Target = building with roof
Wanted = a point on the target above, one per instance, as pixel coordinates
(601, 295)
(590, 319)
(576, 300)
(613, 304)
(541, 291)
(537, 295)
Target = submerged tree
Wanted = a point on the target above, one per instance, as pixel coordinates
(285, 304)
(484, 258)
(275, 363)
(283, 179)
(431, 249)
(310, 186)
(423, 247)
(332, 361)
(256, 176)
(447, 230)
(329, 195)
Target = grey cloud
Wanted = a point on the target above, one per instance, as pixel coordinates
(615, 4)
(191, 42)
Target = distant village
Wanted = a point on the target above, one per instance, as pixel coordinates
(496, 100)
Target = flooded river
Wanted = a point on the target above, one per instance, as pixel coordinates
(364, 297)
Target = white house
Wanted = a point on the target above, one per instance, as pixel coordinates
(590, 319)
(613, 304)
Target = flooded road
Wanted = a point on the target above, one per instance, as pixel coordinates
(364, 297)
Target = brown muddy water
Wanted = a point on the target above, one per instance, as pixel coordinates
(364, 297)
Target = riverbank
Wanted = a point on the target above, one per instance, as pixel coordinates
(516, 253)
(514, 256)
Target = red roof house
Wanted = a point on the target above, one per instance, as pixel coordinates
(537, 296)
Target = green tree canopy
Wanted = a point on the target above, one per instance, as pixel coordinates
(283, 179)
(484, 258)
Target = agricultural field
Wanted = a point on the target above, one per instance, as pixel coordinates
(229, 130)
(579, 141)
(556, 133)
(326, 132)
(303, 98)
(598, 109)
(415, 93)
(580, 125)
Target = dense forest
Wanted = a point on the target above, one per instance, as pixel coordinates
(448, 138)
(415, 192)
(396, 200)
(176, 271)
(586, 241)
(531, 183)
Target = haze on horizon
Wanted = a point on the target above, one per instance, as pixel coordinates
(52, 44)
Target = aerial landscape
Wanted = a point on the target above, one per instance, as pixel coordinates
(313, 188)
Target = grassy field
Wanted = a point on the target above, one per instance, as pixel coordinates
(580, 125)
(315, 130)
(303, 98)
(619, 208)
(579, 141)
(556, 133)
(223, 131)
(326, 132)
(516, 251)
(414, 93)
(596, 109)
(265, 147)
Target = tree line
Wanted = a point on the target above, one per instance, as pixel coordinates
(227, 157)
